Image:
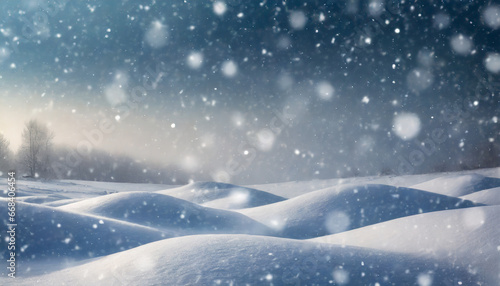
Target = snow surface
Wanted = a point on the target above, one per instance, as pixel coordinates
(343, 208)
(166, 212)
(468, 237)
(252, 260)
(45, 233)
(78, 189)
(297, 188)
(460, 185)
(435, 229)
(222, 195)
(487, 197)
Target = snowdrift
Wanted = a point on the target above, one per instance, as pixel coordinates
(64, 189)
(467, 237)
(42, 199)
(166, 212)
(221, 195)
(45, 232)
(297, 188)
(459, 185)
(334, 210)
(487, 197)
(254, 260)
(131, 234)
(59, 203)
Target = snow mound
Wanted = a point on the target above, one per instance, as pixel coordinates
(488, 197)
(76, 189)
(227, 195)
(243, 198)
(166, 212)
(467, 237)
(459, 185)
(297, 188)
(42, 199)
(59, 203)
(45, 232)
(334, 210)
(252, 260)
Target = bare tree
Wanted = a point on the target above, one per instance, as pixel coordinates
(5, 154)
(36, 148)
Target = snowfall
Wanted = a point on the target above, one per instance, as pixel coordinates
(433, 229)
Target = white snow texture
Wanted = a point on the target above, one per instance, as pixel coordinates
(435, 229)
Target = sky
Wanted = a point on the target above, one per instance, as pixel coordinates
(259, 91)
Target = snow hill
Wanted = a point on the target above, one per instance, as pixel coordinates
(59, 203)
(222, 195)
(459, 185)
(468, 238)
(254, 260)
(49, 233)
(356, 231)
(343, 208)
(79, 189)
(487, 197)
(166, 212)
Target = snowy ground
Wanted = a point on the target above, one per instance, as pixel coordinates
(437, 229)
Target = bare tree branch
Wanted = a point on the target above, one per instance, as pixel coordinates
(36, 148)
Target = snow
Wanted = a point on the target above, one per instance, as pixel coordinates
(297, 20)
(165, 213)
(441, 21)
(46, 233)
(325, 90)
(221, 194)
(492, 62)
(406, 125)
(195, 60)
(487, 197)
(220, 8)
(375, 7)
(73, 189)
(461, 44)
(248, 92)
(59, 203)
(4, 54)
(212, 260)
(115, 94)
(347, 207)
(242, 198)
(468, 238)
(419, 79)
(426, 57)
(459, 185)
(264, 140)
(363, 231)
(229, 68)
(491, 16)
(297, 188)
(43, 199)
(156, 36)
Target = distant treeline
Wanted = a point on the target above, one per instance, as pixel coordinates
(39, 158)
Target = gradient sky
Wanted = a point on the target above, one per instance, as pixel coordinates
(345, 81)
